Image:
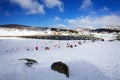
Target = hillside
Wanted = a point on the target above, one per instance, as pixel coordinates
(105, 30)
(22, 30)
(24, 27)
(15, 30)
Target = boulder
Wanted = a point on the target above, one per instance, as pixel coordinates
(102, 40)
(47, 48)
(29, 62)
(60, 67)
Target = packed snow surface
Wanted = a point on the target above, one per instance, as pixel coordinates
(87, 61)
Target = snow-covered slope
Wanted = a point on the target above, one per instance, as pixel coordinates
(88, 61)
(105, 36)
(17, 32)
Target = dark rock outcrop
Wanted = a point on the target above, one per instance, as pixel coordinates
(61, 68)
(29, 62)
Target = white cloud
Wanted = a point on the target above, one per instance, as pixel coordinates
(60, 26)
(54, 3)
(7, 13)
(110, 20)
(31, 6)
(57, 18)
(88, 21)
(105, 8)
(86, 4)
(92, 12)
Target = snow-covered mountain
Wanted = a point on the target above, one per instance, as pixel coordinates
(112, 27)
(13, 30)
(22, 30)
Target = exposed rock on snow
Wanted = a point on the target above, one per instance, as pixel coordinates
(61, 68)
(29, 62)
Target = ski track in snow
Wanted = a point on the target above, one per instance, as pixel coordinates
(88, 61)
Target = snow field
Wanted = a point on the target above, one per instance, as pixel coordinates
(89, 61)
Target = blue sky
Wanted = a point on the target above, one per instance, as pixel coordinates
(60, 13)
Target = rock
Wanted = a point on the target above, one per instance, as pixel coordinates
(111, 40)
(61, 68)
(29, 62)
(47, 48)
(102, 40)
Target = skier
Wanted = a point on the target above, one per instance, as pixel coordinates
(36, 48)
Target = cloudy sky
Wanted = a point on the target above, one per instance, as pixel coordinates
(60, 13)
